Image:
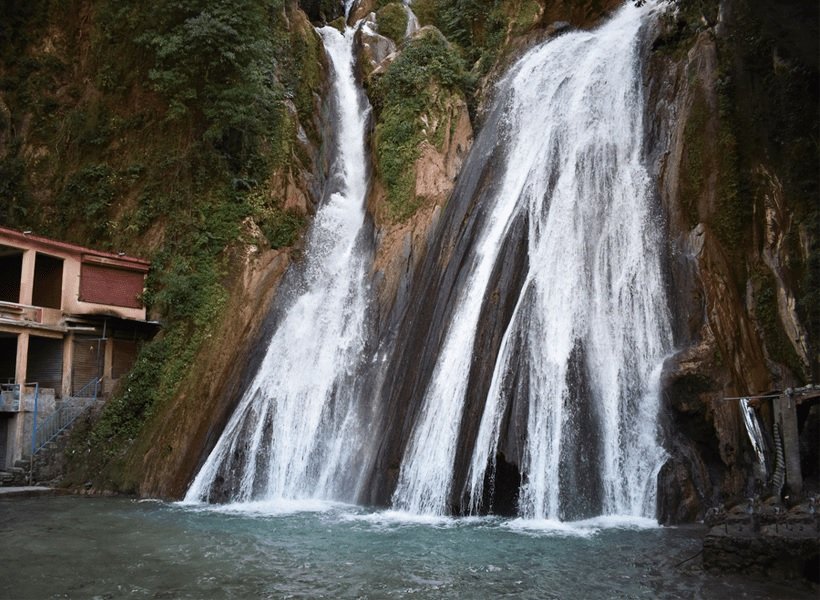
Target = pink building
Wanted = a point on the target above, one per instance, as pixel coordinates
(71, 320)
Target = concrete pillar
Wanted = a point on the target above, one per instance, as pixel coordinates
(21, 365)
(785, 411)
(68, 360)
(17, 435)
(9, 449)
(27, 277)
(108, 365)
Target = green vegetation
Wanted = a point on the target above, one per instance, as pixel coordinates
(526, 16)
(400, 96)
(682, 25)
(477, 28)
(777, 342)
(13, 189)
(160, 133)
(392, 21)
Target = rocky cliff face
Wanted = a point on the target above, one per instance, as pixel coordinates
(131, 130)
(739, 328)
(732, 91)
(738, 196)
(169, 450)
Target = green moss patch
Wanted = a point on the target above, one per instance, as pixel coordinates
(697, 157)
(392, 21)
(400, 96)
(774, 335)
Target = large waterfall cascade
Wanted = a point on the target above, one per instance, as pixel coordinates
(592, 307)
(296, 429)
(593, 295)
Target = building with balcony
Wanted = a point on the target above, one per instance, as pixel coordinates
(71, 323)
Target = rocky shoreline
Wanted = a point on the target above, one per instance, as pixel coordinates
(765, 538)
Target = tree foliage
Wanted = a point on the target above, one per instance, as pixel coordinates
(214, 62)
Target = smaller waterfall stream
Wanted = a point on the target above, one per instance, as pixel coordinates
(296, 430)
(412, 19)
(755, 433)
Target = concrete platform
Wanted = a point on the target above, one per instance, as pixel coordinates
(30, 491)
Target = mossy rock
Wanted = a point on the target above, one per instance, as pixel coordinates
(777, 342)
(525, 16)
(338, 24)
(392, 21)
(428, 69)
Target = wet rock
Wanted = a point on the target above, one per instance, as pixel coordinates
(360, 9)
(373, 48)
(401, 245)
(764, 539)
(322, 11)
(558, 27)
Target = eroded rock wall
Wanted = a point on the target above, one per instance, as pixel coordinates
(731, 271)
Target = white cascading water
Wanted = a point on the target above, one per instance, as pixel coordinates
(412, 19)
(297, 427)
(755, 433)
(574, 131)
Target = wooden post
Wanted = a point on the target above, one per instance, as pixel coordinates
(785, 411)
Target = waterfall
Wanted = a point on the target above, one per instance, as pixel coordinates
(412, 19)
(296, 430)
(583, 349)
(756, 439)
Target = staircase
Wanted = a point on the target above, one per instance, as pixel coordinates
(50, 439)
(60, 421)
(15, 476)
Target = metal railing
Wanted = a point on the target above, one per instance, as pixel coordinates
(90, 389)
(60, 420)
(65, 415)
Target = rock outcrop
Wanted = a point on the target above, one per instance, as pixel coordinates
(768, 540)
(176, 440)
(726, 254)
(401, 244)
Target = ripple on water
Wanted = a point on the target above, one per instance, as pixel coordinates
(111, 548)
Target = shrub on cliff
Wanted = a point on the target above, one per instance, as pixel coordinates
(400, 96)
(392, 21)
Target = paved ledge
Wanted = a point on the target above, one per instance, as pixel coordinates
(30, 491)
(766, 539)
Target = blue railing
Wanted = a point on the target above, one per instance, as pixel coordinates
(90, 389)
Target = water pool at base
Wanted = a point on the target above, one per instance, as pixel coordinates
(74, 547)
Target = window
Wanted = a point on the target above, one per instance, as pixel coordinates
(48, 281)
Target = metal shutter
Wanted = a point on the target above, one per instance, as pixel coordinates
(109, 285)
(45, 362)
(89, 354)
